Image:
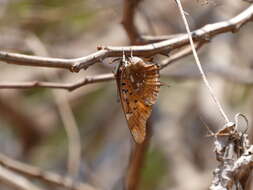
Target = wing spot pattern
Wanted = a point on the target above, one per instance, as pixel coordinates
(138, 86)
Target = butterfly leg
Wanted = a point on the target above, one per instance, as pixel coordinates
(131, 52)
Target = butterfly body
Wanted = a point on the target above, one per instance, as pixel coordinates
(138, 87)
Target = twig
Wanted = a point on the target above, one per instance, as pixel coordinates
(205, 33)
(44, 176)
(137, 160)
(67, 116)
(204, 77)
(178, 55)
(66, 86)
(230, 73)
(129, 9)
(19, 183)
(88, 80)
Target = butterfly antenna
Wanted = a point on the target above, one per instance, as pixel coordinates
(123, 56)
(131, 52)
(210, 132)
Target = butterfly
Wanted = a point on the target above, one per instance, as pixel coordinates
(138, 87)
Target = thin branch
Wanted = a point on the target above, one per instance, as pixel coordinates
(87, 80)
(230, 73)
(129, 9)
(203, 34)
(65, 111)
(55, 85)
(178, 55)
(18, 182)
(137, 160)
(44, 176)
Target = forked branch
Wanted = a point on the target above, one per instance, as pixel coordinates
(129, 10)
(67, 86)
(203, 34)
(44, 176)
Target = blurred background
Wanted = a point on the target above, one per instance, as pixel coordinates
(180, 156)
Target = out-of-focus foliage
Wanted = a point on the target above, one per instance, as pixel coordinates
(154, 169)
(65, 18)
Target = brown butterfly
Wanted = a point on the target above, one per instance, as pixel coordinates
(138, 87)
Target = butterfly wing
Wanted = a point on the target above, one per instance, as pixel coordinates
(138, 86)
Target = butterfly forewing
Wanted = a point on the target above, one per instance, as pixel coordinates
(138, 86)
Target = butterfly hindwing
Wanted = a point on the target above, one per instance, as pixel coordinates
(138, 86)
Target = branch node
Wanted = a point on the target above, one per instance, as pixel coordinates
(100, 47)
(75, 68)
